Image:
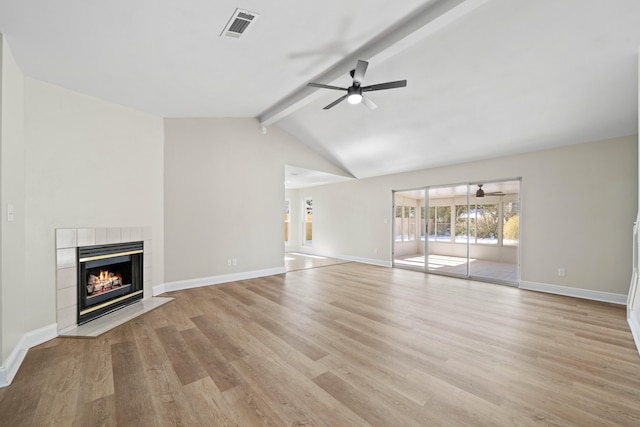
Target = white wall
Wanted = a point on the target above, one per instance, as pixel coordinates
(12, 179)
(633, 315)
(89, 163)
(224, 194)
(578, 207)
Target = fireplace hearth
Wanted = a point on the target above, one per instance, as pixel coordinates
(109, 277)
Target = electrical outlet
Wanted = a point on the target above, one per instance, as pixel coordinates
(229, 263)
(235, 262)
(562, 272)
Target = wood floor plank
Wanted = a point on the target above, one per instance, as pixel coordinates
(167, 396)
(208, 404)
(347, 344)
(249, 408)
(285, 352)
(367, 406)
(100, 412)
(130, 383)
(216, 365)
(62, 386)
(238, 293)
(216, 334)
(20, 400)
(96, 376)
(184, 362)
(288, 393)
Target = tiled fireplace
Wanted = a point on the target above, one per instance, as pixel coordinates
(68, 240)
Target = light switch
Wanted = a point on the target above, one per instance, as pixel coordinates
(10, 212)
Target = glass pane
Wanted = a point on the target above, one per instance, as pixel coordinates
(397, 224)
(443, 223)
(308, 206)
(432, 228)
(461, 223)
(308, 221)
(405, 229)
(286, 220)
(422, 223)
(511, 224)
(308, 235)
(412, 223)
(487, 224)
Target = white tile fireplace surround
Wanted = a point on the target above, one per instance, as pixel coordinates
(67, 242)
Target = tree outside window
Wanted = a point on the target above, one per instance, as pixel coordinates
(511, 223)
(308, 221)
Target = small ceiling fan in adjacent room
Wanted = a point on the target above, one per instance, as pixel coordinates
(481, 193)
(355, 91)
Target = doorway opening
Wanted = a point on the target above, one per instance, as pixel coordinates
(307, 221)
(467, 230)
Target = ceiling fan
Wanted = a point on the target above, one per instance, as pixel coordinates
(354, 92)
(481, 193)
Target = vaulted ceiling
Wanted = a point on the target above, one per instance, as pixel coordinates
(485, 77)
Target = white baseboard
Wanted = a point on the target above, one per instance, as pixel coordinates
(28, 340)
(574, 292)
(214, 280)
(372, 261)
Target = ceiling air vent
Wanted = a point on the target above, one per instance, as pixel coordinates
(239, 23)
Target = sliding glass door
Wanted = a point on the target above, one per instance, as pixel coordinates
(469, 230)
(409, 227)
(494, 231)
(447, 252)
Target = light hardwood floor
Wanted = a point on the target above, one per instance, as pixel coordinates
(298, 261)
(342, 345)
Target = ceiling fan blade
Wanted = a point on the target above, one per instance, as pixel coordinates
(337, 101)
(361, 68)
(388, 85)
(369, 103)
(321, 86)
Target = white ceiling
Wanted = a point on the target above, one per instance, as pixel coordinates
(485, 77)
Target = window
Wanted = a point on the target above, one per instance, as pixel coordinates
(511, 223)
(412, 223)
(404, 224)
(423, 224)
(307, 220)
(287, 213)
(440, 221)
(443, 223)
(484, 225)
(397, 224)
(462, 217)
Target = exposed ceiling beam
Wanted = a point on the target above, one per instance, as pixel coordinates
(426, 20)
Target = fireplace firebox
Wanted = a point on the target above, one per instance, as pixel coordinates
(109, 277)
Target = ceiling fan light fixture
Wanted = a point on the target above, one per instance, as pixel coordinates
(480, 192)
(354, 94)
(354, 98)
